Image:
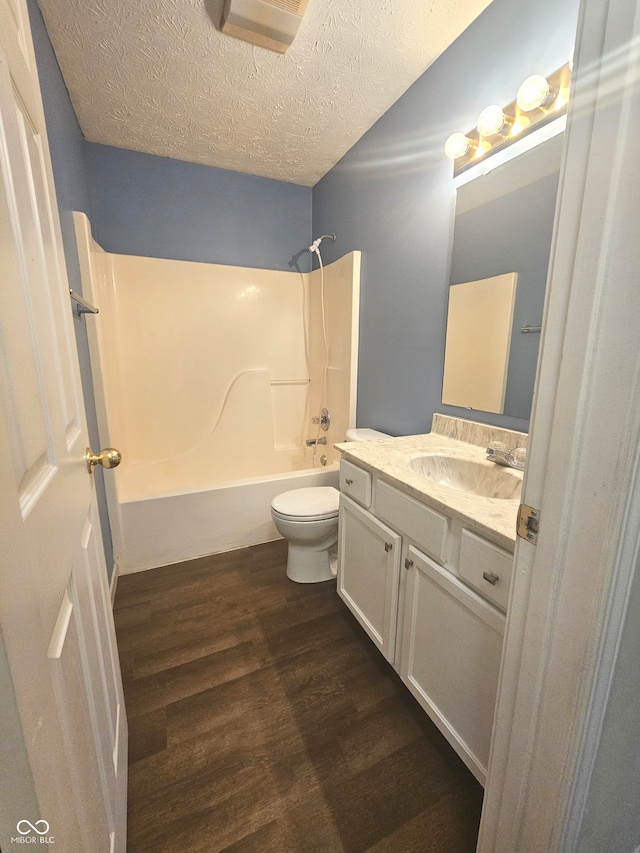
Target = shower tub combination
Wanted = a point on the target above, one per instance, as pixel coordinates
(206, 379)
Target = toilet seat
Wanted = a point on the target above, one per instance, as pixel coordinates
(317, 502)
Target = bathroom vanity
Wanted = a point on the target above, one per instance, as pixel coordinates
(427, 533)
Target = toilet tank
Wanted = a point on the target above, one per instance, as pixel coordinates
(365, 434)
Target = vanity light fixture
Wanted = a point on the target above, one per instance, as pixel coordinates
(540, 100)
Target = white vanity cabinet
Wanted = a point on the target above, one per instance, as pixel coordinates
(370, 568)
(425, 586)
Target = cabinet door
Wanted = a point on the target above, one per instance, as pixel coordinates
(451, 651)
(368, 572)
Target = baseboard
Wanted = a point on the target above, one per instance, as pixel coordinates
(114, 583)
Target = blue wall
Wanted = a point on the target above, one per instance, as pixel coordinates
(163, 208)
(392, 196)
(66, 143)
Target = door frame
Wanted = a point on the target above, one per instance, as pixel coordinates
(570, 591)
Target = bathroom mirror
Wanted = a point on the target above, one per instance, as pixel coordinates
(504, 224)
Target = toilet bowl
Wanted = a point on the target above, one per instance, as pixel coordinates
(308, 520)
(364, 434)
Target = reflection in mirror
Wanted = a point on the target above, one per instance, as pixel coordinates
(504, 224)
(479, 324)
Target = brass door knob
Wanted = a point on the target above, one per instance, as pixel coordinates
(108, 458)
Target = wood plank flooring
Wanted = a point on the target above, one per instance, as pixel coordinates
(263, 720)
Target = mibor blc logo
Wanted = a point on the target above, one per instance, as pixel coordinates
(32, 833)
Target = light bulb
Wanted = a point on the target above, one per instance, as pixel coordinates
(457, 145)
(535, 92)
(492, 121)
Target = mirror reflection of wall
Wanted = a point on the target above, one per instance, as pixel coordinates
(504, 223)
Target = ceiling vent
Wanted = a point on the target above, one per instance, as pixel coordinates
(272, 24)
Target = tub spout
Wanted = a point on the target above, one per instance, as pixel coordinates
(311, 441)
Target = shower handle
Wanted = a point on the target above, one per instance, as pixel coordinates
(324, 420)
(108, 458)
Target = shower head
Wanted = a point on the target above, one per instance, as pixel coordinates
(316, 243)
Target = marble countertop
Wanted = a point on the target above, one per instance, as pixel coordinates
(390, 458)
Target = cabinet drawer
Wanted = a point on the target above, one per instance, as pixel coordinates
(486, 567)
(355, 482)
(426, 527)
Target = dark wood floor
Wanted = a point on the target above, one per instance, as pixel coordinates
(262, 719)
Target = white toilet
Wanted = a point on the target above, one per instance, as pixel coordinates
(308, 520)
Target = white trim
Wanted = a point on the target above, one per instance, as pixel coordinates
(582, 452)
(614, 623)
(113, 583)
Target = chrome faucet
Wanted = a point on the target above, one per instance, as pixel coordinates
(311, 441)
(498, 453)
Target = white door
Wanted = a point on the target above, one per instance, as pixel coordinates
(63, 727)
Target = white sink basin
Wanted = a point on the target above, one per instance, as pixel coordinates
(483, 479)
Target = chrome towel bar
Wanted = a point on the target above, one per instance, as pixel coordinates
(81, 305)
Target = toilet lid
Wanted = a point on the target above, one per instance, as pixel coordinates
(317, 502)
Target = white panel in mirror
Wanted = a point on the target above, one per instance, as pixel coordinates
(478, 342)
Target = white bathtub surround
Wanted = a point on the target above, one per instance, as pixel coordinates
(452, 437)
(206, 378)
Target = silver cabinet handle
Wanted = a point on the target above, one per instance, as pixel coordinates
(388, 546)
(348, 481)
(408, 563)
(491, 578)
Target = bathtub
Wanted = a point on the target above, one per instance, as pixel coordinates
(207, 379)
(156, 530)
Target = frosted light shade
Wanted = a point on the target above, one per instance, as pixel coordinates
(457, 145)
(491, 120)
(533, 93)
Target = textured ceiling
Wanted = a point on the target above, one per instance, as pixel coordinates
(158, 76)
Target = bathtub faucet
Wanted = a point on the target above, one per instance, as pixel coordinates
(324, 419)
(311, 441)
